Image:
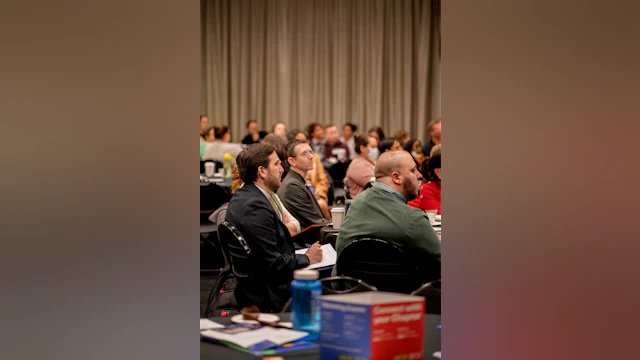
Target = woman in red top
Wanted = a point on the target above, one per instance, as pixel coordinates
(430, 193)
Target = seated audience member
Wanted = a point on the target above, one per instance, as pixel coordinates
(435, 149)
(348, 137)
(254, 136)
(361, 169)
(255, 212)
(377, 133)
(220, 145)
(389, 145)
(435, 132)
(316, 178)
(414, 147)
(402, 136)
(316, 134)
(333, 147)
(382, 212)
(209, 136)
(280, 144)
(430, 197)
(219, 215)
(295, 194)
(280, 129)
(296, 134)
(204, 123)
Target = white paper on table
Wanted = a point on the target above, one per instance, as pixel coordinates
(208, 324)
(247, 339)
(329, 257)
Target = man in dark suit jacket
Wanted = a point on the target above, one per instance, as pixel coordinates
(257, 214)
(295, 195)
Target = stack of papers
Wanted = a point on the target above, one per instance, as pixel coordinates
(253, 337)
(208, 324)
(329, 257)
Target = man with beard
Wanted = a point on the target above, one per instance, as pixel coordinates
(382, 212)
(256, 212)
(295, 194)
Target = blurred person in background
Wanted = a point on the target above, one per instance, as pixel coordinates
(435, 132)
(361, 170)
(376, 132)
(204, 124)
(414, 147)
(220, 144)
(333, 147)
(389, 145)
(316, 134)
(430, 197)
(402, 136)
(280, 129)
(348, 137)
(254, 136)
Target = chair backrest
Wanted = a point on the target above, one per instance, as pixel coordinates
(432, 293)
(338, 171)
(212, 196)
(379, 263)
(235, 249)
(349, 284)
(353, 286)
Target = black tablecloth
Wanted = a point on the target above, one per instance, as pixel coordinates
(216, 351)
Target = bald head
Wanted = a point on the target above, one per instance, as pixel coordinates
(390, 161)
(398, 170)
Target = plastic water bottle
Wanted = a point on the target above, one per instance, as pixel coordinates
(306, 290)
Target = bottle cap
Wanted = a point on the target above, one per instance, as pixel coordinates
(304, 274)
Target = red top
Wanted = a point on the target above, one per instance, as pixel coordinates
(429, 198)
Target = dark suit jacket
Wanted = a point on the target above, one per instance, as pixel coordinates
(273, 256)
(297, 198)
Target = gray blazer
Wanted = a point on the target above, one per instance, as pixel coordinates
(297, 198)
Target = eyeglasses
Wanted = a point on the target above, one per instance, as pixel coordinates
(306, 153)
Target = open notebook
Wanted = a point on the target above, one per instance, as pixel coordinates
(329, 257)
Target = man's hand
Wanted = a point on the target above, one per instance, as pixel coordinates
(314, 253)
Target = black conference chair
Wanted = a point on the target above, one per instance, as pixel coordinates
(432, 293)
(211, 197)
(353, 286)
(237, 256)
(379, 263)
(338, 171)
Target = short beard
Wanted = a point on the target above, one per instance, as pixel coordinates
(272, 182)
(407, 188)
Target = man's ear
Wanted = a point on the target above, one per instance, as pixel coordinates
(395, 177)
(262, 172)
(291, 161)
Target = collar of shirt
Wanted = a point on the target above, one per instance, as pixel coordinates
(389, 189)
(266, 194)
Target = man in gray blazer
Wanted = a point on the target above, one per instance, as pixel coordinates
(293, 192)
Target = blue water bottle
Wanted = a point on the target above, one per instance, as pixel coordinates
(306, 290)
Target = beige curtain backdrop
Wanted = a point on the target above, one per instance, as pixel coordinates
(369, 62)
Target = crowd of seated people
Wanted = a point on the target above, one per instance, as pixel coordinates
(281, 186)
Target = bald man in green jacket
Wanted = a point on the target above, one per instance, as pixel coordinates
(382, 212)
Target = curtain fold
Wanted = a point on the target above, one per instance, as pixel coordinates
(369, 62)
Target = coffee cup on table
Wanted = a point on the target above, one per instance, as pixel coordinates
(337, 215)
(209, 168)
(431, 214)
